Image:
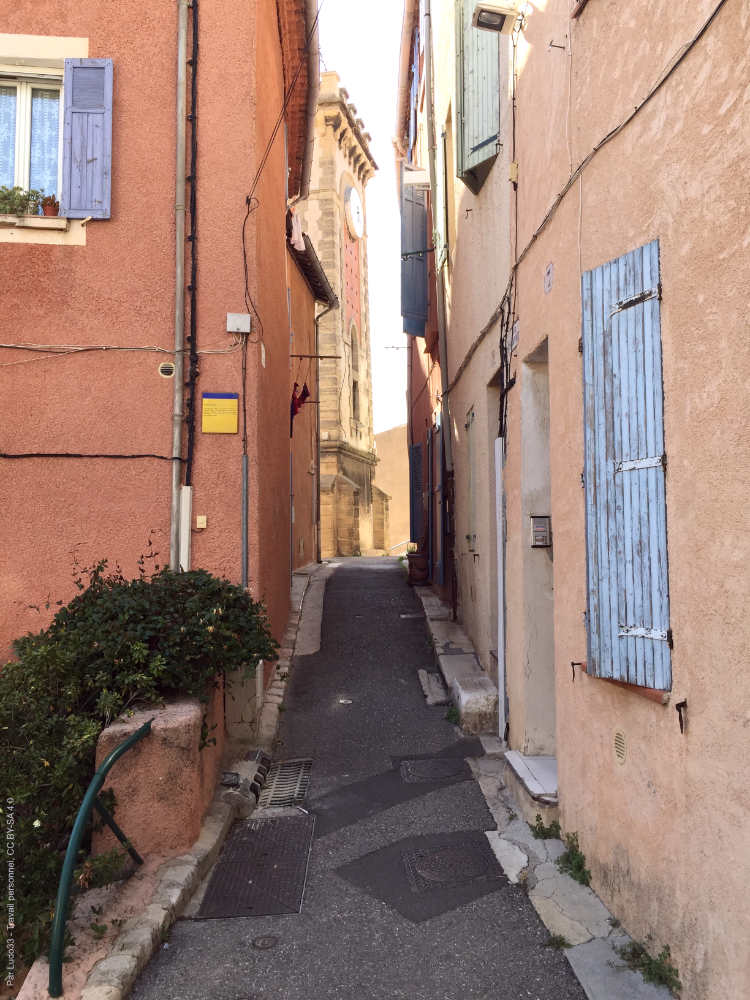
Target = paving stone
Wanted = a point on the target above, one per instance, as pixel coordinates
(518, 831)
(101, 993)
(577, 902)
(433, 687)
(493, 746)
(118, 971)
(605, 976)
(557, 922)
(512, 858)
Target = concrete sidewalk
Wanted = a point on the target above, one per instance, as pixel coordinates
(401, 899)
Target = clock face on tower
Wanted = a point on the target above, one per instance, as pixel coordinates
(355, 216)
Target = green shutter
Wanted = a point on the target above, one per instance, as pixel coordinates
(478, 96)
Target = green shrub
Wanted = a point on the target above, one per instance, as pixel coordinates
(657, 970)
(19, 201)
(573, 861)
(119, 644)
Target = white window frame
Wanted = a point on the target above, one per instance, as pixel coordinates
(25, 84)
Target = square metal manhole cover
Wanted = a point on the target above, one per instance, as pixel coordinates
(423, 769)
(262, 870)
(286, 784)
(459, 863)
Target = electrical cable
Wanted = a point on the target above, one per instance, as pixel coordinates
(193, 369)
(70, 454)
(511, 287)
(251, 202)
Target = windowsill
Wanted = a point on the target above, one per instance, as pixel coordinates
(652, 694)
(34, 222)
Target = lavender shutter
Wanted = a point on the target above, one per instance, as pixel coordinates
(87, 139)
(626, 525)
(414, 259)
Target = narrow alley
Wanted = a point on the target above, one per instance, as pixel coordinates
(404, 897)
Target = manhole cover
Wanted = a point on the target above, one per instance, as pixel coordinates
(434, 769)
(454, 864)
(262, 870)
(286, 784)
(265, 942)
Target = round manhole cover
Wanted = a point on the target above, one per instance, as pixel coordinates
(450, 865)
(265, 942)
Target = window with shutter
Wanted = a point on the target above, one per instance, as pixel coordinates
(626, 525)
(478, 98)
(87, 139)
(414, 248)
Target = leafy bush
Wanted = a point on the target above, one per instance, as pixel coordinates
(19, 201)
(118, 644)
(573, 861)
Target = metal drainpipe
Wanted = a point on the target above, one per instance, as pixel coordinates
(432, 153)
(179, 291)
(318, 318)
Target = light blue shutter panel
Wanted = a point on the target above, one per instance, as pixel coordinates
(414, 267)
(87, 139)
(479, 98)
(626, 527)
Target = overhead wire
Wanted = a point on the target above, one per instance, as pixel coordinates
(511, 286)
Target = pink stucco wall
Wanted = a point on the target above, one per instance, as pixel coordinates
(164, 784)
(119, 290)
(662, 832)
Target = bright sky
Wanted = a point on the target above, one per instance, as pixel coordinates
(360, 41)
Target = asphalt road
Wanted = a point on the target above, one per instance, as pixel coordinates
(353, 707)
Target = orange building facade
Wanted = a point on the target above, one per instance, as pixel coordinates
(108, 449)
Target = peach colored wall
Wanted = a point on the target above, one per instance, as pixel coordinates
(119, 289)
(662, 833)
(304, 442)
(393, 478)
(164, 784)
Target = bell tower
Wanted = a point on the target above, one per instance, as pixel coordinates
(354, 512)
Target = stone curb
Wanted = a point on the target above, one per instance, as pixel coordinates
(566, 908)
(112, 977)
(471, 691)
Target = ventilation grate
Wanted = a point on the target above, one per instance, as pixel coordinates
(620, 747)
(167, 369)
(286, 784)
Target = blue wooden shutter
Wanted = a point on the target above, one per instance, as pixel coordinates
(626, 523)
(414, 267)
(478, 91)
(416, 518)
(87, 139)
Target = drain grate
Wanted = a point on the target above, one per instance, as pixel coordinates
(286, 784)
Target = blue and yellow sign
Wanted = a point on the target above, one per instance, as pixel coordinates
(220, 413)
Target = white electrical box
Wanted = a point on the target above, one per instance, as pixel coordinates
(239, 322)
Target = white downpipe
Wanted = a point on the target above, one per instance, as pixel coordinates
(179, 290)
(500, 526)
(432, 155)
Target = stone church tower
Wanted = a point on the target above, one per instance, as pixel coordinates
(353, 511)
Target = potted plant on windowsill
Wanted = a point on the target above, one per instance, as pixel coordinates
(19, 201)
(50, 205)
